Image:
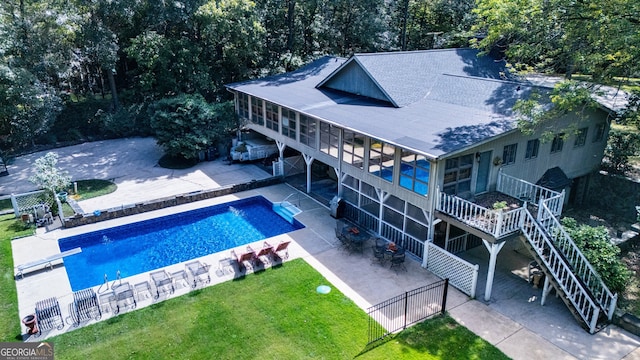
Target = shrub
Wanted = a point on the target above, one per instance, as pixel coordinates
(604, 256)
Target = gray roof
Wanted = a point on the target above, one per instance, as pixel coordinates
(440, 101)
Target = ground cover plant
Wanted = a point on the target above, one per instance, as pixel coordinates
(275, 314)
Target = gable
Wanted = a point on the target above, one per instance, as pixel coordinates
(353, 79)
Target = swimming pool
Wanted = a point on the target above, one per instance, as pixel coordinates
(147, 245)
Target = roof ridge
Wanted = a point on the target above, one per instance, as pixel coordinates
(395, 52)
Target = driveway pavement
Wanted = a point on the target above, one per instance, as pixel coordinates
(512, 320)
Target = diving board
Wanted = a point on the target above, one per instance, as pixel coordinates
(46, 261)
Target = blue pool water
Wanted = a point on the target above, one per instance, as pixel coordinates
(147, 245)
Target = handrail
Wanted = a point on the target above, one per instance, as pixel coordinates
(581, 266)
(290, 195)
(562, 272)
(523, 190)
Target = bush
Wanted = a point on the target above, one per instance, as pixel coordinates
(604, 256)
(621, 146)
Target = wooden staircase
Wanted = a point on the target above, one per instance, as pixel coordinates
(568, 272)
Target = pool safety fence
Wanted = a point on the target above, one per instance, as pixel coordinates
(406, 309)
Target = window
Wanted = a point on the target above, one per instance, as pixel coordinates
(457, 174)
(532, 149)
(289, 123)
(308, 131)
(353, 149)
(414, 172)
(243, 105)
(381, 159)
(599, 133)
(257, 114)
(557, 143)
(509, 154)
(581, 137)
(329, 139)
(272, 116)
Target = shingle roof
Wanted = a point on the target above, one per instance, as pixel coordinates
(451, 99)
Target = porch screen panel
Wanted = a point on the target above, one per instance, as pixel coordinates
(414, 172)
(308, 131)
(353, 149)
(289, 123)
(272, 116)
(329, 135)
(393, 212)
(257, 111)
(243, 105)
(381, 157)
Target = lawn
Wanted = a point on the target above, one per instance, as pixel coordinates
(91, 188)
(275, 314)
(10, 228)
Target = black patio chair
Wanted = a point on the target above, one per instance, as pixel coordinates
(379, 255)
(397, 261)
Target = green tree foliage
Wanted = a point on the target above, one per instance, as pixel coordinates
(621, 146)
(598, 38)
(184, 125)
(48, 176)
(596, 246)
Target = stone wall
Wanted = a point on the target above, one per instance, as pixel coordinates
(80, 219)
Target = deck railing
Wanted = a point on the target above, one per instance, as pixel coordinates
(575, 292)
(526, 191)
(579, 264)
(495, 222)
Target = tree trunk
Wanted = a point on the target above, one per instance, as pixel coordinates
(291, 25)
(114, 93)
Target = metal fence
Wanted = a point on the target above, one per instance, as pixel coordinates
(403, 310)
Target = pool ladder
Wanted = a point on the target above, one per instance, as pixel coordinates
(118, 279)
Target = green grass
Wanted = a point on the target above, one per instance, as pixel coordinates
(6, 205)
(10, 227)
(276, 314)
(91, 188)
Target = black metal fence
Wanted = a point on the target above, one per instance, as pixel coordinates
(403, 310)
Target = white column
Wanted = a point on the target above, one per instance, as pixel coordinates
(308, 160)
(545, 290)
(493, 249)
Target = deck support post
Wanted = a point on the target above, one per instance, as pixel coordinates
(281, 145)
(308, 160)
(493, 249)
(546, 289)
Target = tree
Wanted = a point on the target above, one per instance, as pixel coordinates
(595, 245)
(184, 125)
(48, 176)
(598, 38)
(621, 146)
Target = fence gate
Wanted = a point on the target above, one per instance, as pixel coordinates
(411, 307)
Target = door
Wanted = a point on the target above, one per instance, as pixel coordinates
(482, 175)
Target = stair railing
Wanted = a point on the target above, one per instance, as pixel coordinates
(569, 284)
(579, 263)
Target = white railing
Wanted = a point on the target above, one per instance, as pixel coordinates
(408, 242)
(579, 297)
(495, 222)
(457, 244)
(462, 274)
(579, 264)
(554, 204)
(523, 190)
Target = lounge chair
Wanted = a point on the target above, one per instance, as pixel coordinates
(180, 279)
(247, 257)
(163, 282)
(124, 297)
(85, 306)
(48, 314)
(143, 290)
(266, 253)
(198, 270)
(282, 248)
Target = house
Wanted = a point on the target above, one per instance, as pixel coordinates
(412, 142)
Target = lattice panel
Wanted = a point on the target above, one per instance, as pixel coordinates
(446, 265)
(27, 201)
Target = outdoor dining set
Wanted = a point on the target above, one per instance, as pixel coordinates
(353, 239)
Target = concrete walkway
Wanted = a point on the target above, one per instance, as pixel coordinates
(513, 320)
